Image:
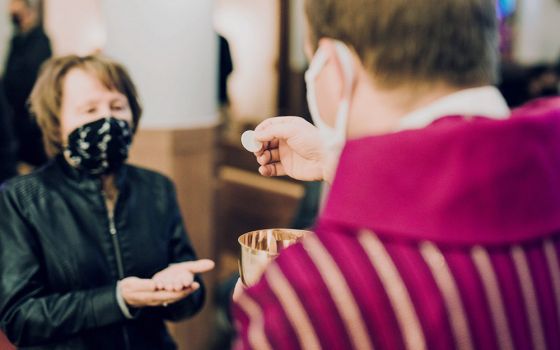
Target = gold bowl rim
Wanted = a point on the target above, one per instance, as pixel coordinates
(260, 251)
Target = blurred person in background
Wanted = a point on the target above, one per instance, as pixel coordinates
(543, 81)
(520, 84)
(514, 83)
(29, 48)
(93, 252)
(442, 226)
(8, 145)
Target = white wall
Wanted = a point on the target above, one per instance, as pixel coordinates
(5, 33)
(298, 61)
(538, 31)
(170, 49)
(252, 30)
(74, 27)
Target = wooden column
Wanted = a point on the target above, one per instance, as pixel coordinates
(187, 156)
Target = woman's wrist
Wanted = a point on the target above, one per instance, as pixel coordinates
(122, 302)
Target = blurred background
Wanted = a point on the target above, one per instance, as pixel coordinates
(207, 71)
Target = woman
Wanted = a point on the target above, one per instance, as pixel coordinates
(87, 242)
(442, 226)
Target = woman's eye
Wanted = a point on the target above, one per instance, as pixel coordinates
(119, 107)
(90, 110)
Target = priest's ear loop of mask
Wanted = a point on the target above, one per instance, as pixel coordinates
(333, 138)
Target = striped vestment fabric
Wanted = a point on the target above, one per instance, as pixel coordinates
(464, 254)
(359, 291)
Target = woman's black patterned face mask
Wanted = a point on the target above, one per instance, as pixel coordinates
(99, 147)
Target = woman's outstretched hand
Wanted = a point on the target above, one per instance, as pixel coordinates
(168, 286)
(177, 277)
(139, 293)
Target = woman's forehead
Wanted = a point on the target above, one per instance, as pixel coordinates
(82, 85)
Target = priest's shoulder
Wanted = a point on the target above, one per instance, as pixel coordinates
(542, 107)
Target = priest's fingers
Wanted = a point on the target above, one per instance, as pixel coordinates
(273, 169)
(269, 156)
(285, 129)
(274, 144)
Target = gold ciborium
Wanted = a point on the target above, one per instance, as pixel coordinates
(260, 247)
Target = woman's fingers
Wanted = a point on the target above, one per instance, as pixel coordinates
(181, 275)
(170, 297)
(138, 284)
(159, 285)
(169, 286)
(194, 286)
(166, 297)
(144, 292)
(187, 281)
(175, 284)
(199, 266)
(179, 286)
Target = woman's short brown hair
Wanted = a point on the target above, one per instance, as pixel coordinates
(408, 41)
(47, 94)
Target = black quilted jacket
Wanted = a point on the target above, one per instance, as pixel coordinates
(61, 255)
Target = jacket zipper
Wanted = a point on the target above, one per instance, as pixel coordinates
(116, 245)
(118, 256)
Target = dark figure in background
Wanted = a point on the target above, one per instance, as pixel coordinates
(29, 48)
(514, 83)
(543, 81)
(8, 145)
(225, 69)
(520, 84)
(309, 205)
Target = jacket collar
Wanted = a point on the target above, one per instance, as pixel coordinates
(85, 181)
(457, 181)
